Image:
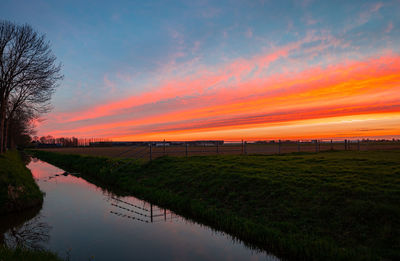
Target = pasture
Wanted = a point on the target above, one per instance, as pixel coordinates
(230, 148)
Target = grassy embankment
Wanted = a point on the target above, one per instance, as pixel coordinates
(7, 254)
(327, 206)
(19, 191)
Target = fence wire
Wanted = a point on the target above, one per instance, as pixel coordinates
(154, 150)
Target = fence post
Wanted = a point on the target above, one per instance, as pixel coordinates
(151, 152)
(245, 147)
(151, 213)
(331, 145)
(186, 149)
(242, 147)
(164, 148)
(345, 144)
(316, 145)
(279, 147)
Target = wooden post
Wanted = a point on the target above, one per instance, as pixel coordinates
(298, 146)
(279, 147)
(245, 147)
(186, 149)
(151, 213)
(151, 152)
(331, 144)
(164, 147)
(345, 144)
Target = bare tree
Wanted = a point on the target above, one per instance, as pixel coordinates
(28, 73)
(19, 127)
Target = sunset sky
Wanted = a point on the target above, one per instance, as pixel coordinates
(184, 70)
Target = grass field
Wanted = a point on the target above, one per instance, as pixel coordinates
(143, 152)
(327, 206)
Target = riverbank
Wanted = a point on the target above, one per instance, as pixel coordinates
(7, 254)
(327, 206)
(18, 189)
(19, 192)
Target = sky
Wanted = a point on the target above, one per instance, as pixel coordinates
(231, 70)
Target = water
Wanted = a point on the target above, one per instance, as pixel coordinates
(81, 221)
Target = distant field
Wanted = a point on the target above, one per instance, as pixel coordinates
(143, 152)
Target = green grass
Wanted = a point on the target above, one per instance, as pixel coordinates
(7, 254)
(18, 189)
(326, 206)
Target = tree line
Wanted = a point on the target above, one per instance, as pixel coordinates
(29, 76)
(65, 141)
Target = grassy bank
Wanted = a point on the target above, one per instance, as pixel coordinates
(327, 206)
(18, 192)
(18, 189)
(7, 254)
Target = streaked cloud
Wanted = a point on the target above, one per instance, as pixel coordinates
(353, 88)
(221, 69)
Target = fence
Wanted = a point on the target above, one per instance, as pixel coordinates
(152, 150)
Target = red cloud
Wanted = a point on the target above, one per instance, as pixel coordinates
(371, 86)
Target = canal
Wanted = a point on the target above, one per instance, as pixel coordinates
(81, 221)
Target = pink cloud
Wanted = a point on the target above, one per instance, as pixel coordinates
(354, 87)
(389, 28)
(249, 33)
(376, 7)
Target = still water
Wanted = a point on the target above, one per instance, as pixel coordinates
(81, 221)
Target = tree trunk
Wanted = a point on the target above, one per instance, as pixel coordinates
(2, 121)
(11, 137)
(6, 127)
(3, 111)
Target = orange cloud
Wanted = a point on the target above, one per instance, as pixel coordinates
(211, 102)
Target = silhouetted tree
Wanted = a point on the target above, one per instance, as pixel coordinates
(28, 74)
(20, 128)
